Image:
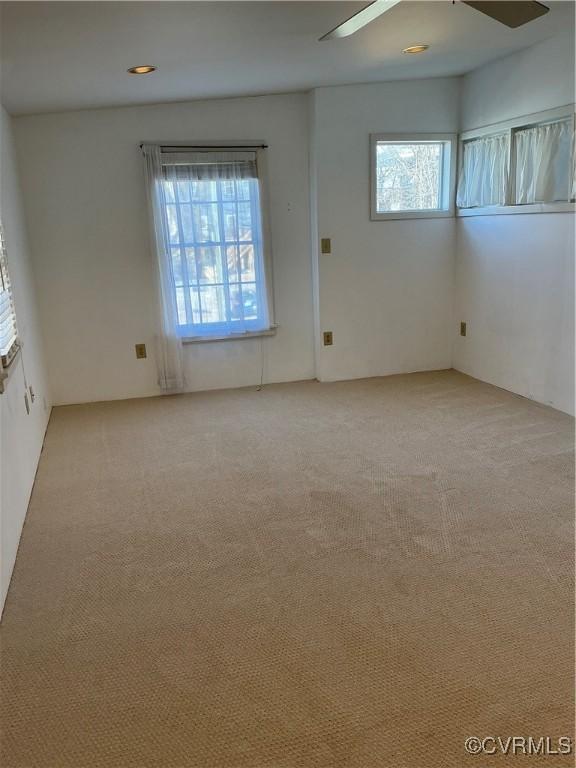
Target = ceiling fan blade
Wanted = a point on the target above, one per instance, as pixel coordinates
(360, 19)
(512, 14)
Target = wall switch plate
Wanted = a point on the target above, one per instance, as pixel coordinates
(140, 351)
(328, 340)
(326, 245)
(462, 329)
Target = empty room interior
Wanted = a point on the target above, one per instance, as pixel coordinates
(287, 384)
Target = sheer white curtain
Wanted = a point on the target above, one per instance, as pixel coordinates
(209, 165)
(573, 189)
(484, 173)
(543, 163)
(573, 168)
(169, 345)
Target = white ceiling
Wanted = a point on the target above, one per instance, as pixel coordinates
(73, 55)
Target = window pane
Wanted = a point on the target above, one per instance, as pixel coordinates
(408, 176)
(183, 191)
(187, 231)
(177, 266)
(232, 263)
(246, 188)
(203, 191)
(209, 265)
(197, 191)
(230, 221)
(250, 301)
(236, 308)
(206, 222)
(191, 264)
(244, 221)
(213, 304)
(228, 189)
(247, 264)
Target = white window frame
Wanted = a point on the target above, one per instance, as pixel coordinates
(511, 127)
(260, 147)
(448, 181)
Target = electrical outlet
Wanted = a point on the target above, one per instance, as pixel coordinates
(328, 340)
(325, 245)
(140, 351)
(462, 329)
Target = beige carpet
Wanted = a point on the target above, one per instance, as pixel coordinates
(349, 575)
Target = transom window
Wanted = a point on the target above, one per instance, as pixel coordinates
(528, 161)
(211, 202)
(412, 176)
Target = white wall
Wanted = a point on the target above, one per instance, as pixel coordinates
(516, 292)
(83, 184)
(515, 274)
(534, 79)
(21, 434)
(386, 290)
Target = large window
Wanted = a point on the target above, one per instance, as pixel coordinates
(212, 209)
(412, 176)
(8, 332)
(523, 165)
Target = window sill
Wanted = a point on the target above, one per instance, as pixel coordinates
(5, 373)
(229, 337)
(506, 210)
(402, 215)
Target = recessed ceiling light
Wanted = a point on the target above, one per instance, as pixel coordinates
(141, 70)
(416, 49)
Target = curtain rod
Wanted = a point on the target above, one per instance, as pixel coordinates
(209, 148)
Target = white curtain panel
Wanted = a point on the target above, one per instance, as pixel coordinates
(543, 163)
(169, 345)
(484, 173)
